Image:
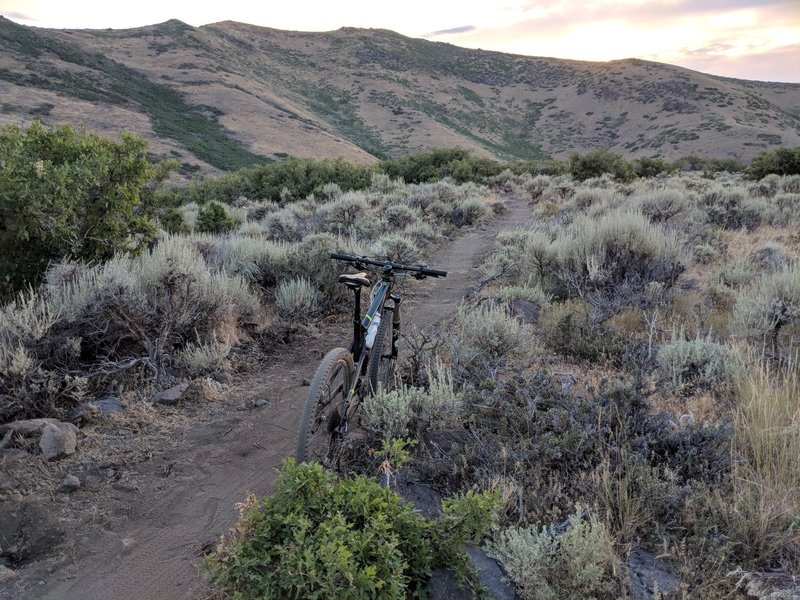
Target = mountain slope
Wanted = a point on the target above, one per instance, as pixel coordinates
(227, 94)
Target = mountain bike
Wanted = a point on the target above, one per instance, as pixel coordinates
(345, 376)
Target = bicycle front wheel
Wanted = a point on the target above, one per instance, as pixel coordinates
(320, 438)
(381, 362)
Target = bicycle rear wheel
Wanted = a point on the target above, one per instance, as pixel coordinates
(319, 438)
(381, 362)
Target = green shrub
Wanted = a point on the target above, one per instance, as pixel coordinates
(732, 209)
(413, 410)
(74, 194)
(699, 362)
(213, 218)
(662, 205)
(770, 303)
(485, 339)
(576, 565)
(172, 221)
(568, 329)
(149, 307)
(783, 161)
(296, 299)
(611, 261)
(737, 273)
(598, 162)
(318, 537)
(650, 167)
(439, 163)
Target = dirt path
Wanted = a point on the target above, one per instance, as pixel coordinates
(186, 495)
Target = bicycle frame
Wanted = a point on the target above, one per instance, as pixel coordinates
(381, 292)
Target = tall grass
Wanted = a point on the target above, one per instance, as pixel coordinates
(766, 472)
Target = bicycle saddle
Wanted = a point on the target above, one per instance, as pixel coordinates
(354, 280)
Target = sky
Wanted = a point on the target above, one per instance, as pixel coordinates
(751, 39)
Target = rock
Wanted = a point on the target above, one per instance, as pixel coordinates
(6, 574)
(649, 574)
(260, 402)
(170, 396)
(443, 585)
(768, 586)
(525, 311)
(102, 406)
(306, 382)
(223, 378)
(491, 575)
(58, 440)
(7, 482)
(28, 427)
(70, 483)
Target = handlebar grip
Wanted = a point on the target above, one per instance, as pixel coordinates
(343, 257)
(433, 272)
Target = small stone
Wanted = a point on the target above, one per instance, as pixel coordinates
(306, 382)
(58, 440)
(70, 483)
(170, 396)
(6, 574)
(128, 544)
(260, 402)
(7, 482)
(223, 378)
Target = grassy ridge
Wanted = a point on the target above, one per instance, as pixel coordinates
(109, 81)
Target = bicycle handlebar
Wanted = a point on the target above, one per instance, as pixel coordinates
(421, 269)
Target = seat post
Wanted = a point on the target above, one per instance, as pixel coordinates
(357, 338)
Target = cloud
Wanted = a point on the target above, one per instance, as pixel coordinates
(452, 31)
(778, 64)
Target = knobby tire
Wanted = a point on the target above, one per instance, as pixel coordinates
(380, 369)
(319, 438)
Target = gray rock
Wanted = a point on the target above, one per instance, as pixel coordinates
(525, 311)
(648, 574)
(70, 483)
(223, 378)
(768, 586)
(58, 440)
(490, 575)
(7, 482)
(170, 396)
(27, 427)
(260, 402)
(102, 406)
(6, 574)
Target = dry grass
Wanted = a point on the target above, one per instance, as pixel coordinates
(767, 452)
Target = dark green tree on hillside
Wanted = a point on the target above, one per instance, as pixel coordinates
(597, 162)
(71, 193)
(783, 161)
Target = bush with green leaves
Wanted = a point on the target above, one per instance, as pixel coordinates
(213, 218)
(578, 564)
(783, 161)
(319, 537)
(439, 163)
(130, 316)
(732, 208)
(598, 162)
(768, 305)
(700, 362)
(67, 193)
(486, 339)
(612, 260)
(296, 299)
(173, 222)
(409, 410)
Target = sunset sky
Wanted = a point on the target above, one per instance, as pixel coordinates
(752, 39)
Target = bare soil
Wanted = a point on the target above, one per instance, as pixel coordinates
(153, 503)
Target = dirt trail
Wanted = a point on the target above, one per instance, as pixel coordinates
(187, 493)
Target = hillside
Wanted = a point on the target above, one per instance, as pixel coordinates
(229, 94)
